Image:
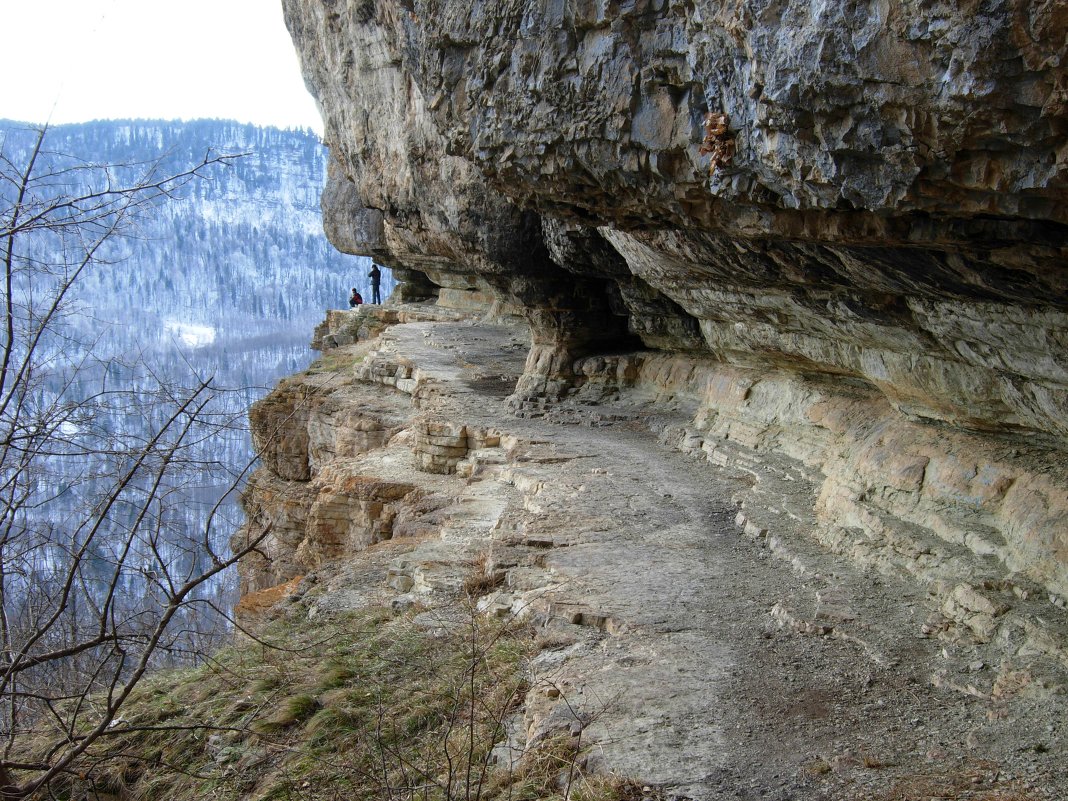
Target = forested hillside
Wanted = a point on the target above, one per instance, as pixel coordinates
(237, 263)
(223, 278)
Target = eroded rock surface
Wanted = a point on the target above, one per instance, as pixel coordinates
(893, 211)
(729, 603)
(793, 270)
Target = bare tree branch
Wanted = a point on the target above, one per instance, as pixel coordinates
(97, 584)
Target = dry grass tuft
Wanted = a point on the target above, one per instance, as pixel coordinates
(290, 711)
(338, 360)
(481, 580)
(871, 762)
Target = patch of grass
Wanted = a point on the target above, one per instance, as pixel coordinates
(478, 584)
(361, 705)
(550, 766)
(290, 711)
(871, 762)
(554, 770)
(358, 705)
(554, 640)
(818, 767)
(331, 724)
(266, 683)
(338, 360)
(335, 674)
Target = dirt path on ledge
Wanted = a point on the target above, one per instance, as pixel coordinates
(706, 663)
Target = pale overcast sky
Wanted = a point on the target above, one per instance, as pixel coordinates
(78, 60)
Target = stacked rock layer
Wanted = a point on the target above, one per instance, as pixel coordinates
(843, 226)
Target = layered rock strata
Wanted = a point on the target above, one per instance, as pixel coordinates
(893, 211)
(891, 222)
(820, 247)
(729, 603)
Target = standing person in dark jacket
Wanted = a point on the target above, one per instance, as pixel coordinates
(376, 280)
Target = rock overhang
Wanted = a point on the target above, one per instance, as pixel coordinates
(891, 208)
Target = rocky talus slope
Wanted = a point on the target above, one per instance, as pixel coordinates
(790, 269)
(709, 626)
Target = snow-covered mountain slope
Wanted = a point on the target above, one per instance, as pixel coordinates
(224, 279)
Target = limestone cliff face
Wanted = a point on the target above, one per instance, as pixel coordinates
(893, 210)
(854, 204)
(731, 354)
(728, 574)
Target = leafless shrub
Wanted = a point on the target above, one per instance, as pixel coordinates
(99, 581)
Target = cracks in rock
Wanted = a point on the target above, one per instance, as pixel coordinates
(633, 563)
